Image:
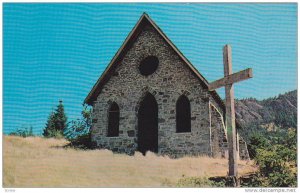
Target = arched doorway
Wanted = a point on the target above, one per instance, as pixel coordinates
(148, 125)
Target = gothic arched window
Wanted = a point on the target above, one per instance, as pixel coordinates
(183, 115)
(113, 120)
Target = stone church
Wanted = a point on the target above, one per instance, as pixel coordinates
(151, 98)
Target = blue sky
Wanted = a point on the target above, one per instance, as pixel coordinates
(58, 51)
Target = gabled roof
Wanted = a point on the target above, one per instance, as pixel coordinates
(143, 21)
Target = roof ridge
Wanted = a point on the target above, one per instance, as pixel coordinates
(91, 96)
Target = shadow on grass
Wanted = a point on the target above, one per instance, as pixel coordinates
(82, 142)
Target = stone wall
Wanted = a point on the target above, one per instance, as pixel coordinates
(243, 150)
(219, 140)
(219, 143)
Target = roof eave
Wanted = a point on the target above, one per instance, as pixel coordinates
(90, 98)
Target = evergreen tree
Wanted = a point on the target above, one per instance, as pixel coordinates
(50, 126)
(60, 118)
(56, 123)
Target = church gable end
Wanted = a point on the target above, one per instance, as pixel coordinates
(148, 65)
(145, 20)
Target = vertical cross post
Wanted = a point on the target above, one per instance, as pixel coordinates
(228, 81)
(230, 113)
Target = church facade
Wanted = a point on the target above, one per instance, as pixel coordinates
(151, 98)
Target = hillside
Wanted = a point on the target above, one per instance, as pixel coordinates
(40, 162)
(269, 114)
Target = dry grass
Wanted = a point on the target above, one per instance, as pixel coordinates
(39, 162)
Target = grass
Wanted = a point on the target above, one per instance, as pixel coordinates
(40, 162)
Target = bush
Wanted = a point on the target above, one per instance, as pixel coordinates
(78, 131)
(23, 132)
(83, 142)
(275, 154)
(274, 170)
(55, 134)
(256, 141)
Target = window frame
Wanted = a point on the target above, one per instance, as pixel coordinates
(114, 129)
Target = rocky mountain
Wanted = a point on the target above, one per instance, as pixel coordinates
(272, 113)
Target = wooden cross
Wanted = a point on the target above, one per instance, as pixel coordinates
(228, 81)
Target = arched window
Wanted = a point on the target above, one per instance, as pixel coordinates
(183, 115)
(113, 120)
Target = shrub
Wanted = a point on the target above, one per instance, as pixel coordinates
(274, 170)
(55, 134)
(23, 132)
(256, 141)
(83, 142)
(78, 131)
(275, 153)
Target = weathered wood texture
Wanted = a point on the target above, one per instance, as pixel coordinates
(230, 113)
(228, 81)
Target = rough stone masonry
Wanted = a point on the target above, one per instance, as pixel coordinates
(123, 84)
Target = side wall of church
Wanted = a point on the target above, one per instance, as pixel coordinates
(127, 87)
(219, 142)
(243, 150)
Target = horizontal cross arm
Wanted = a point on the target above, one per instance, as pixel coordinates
(230, 79)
